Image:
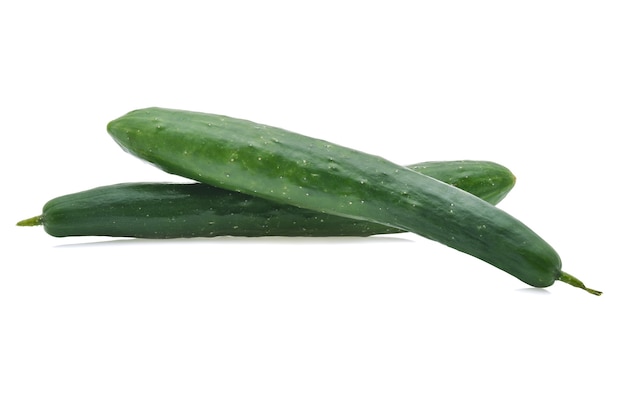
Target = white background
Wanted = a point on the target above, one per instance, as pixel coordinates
(538, 86)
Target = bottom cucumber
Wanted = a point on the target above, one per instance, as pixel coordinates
(167, 210)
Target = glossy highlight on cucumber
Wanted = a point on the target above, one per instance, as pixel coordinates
(171, 210)
(290, 168)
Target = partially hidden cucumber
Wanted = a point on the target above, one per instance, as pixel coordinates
(169, 210)
(290, 168)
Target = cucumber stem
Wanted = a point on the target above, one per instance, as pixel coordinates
(31, 222)
(570, 280)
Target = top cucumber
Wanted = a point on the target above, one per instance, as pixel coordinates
(290, 168)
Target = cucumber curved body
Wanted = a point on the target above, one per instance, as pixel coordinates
(294, 169)
(169, 210)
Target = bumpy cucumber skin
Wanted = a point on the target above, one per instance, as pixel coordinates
(310, 173)
(484, 179)
(168, 210)
(160, 210)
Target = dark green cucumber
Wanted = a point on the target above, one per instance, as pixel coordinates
(290, 168)
(168, 210)
(484, 179)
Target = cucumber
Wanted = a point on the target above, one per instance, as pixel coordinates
(168, 210)
(294, 169)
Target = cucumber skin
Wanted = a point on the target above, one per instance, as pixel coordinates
(290, 168)
(168, 210)
(487, 180)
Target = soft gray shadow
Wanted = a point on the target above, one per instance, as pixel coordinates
(379, 239)
(535, 291)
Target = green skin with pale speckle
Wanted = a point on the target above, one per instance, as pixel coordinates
(170, 210)
(314, 174)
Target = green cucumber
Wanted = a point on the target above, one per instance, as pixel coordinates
(310, 173)
(168, 210)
